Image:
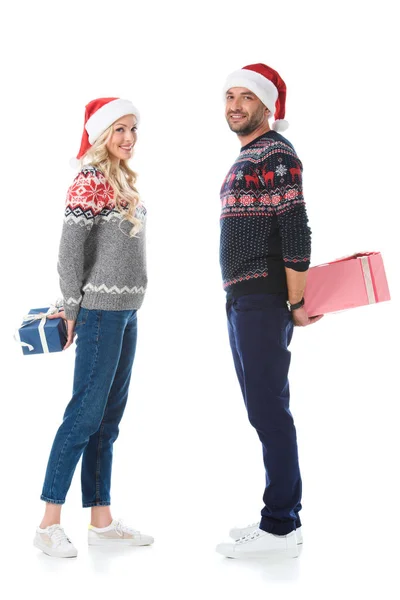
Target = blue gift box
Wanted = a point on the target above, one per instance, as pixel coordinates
(42, 336)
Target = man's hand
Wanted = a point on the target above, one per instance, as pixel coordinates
(70, 327)
(296, 282)
(301, 318)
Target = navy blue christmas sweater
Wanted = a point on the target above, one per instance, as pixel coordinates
(264, 224)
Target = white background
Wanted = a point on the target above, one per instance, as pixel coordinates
(188, 466)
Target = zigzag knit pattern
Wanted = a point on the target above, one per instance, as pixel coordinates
(103, 289)
(73, 301)
(264, 224)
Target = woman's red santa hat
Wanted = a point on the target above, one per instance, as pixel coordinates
(99, 115)
(267, 85)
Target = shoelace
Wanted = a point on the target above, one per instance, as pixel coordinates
(247, 538)
(120, 528)
(254, 525)
(58, 535)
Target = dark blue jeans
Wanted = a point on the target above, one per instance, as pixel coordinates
(105, 349)
(260, 330)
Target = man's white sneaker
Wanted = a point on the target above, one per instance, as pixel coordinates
(238, 532)
(53, 541)
(260, 544)
(117, 534)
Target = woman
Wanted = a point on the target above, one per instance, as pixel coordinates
(103, 280)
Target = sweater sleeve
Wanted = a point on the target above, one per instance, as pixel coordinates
(290, 209)
(86, 198)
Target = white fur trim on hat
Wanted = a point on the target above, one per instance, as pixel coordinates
(262, 87)
(107, 115)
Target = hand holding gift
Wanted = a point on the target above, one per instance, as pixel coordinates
(70, 325)
(301, 319)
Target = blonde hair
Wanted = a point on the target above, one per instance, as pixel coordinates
(121, 178)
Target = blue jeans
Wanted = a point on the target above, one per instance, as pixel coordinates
(260, 330)
(105, 349)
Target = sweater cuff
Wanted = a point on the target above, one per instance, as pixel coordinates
(71, 312)
(297, 266)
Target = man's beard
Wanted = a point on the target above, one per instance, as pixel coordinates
(251, 125)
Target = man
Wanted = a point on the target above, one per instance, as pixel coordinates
(264, 255)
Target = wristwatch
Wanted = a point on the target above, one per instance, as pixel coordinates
(295, 306)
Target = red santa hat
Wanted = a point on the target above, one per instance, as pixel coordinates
(267, 85)
(99, 115)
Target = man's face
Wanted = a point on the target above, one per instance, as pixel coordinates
(244, 112)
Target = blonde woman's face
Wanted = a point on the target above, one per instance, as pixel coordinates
(123, 138)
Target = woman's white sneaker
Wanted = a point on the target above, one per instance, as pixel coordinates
(53, 541)
(117, 534)
(260, 544)
(238, 532)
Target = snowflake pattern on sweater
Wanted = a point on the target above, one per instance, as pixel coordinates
(90, 200)
(264, 224)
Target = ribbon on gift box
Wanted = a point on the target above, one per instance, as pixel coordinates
(30, 318)
(369, 284)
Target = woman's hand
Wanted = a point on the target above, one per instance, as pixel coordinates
(70, 323)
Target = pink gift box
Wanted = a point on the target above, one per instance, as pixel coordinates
(352, 281)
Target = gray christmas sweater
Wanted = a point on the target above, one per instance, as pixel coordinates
(100, 265)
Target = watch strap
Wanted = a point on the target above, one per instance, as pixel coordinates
(296, 305)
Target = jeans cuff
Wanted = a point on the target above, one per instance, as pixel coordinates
(91, 504)
(277, 528)
(51, 500)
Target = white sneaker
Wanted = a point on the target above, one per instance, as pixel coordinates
(238, 532)
(53, 541)
(117, 533)
(260, 544)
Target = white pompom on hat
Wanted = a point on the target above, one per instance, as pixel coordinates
(267, 85)
(99, 115)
